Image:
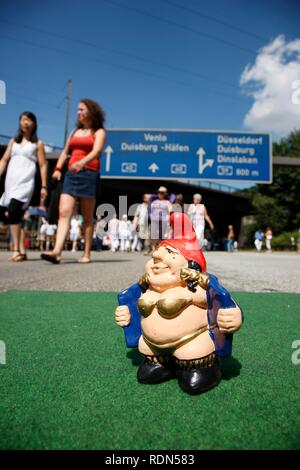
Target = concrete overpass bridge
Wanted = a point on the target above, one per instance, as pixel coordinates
(225, 205)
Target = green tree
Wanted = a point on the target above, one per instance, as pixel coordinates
(278, 205)
(289, 146)
(268, 213)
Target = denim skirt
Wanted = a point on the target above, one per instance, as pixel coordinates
(82, 184)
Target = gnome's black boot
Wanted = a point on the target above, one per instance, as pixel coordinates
(196, 376)
(154, 370)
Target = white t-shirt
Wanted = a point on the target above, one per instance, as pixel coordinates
(197, 214)
(142, 214)
(75, 226)
(43, 228)
(50, 229)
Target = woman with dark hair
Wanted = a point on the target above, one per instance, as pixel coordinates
(85, 145)
(20, 158)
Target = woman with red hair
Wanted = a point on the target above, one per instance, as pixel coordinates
(85, 145)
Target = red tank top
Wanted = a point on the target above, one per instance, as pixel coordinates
(81, 146)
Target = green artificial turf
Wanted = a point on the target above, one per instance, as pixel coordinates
(70, 383)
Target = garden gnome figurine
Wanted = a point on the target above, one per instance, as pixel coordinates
(178, 315)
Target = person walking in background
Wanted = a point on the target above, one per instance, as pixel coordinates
(198, 215)
(160, 210)
(20, 158)
(124, 233)
(42, 234)
(25, 239)
(141, 226)
(75, 231)
(113, 232)
(50, 235)
(86, 145)
(268, 237)
(100, 232)
(178, 205)
(230, 239)
(136, 244)
(258, 240)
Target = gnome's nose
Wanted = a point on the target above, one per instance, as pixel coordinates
(157, 257)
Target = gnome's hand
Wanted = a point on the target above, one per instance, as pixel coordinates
(122, 315)
(229, 319)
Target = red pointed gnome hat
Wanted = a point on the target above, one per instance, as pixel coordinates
(184, 239)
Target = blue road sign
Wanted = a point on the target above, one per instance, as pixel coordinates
(188, 154)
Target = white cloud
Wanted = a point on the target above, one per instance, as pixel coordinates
(270, 82)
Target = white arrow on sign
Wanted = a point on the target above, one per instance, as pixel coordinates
(209, 162)
(153, 167)
(108, 152)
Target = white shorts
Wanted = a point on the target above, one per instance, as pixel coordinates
(74, 236)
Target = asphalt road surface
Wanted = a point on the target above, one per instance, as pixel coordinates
(240, 271)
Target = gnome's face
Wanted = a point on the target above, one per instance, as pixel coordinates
(163, 270)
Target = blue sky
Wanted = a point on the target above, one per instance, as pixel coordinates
(151, 64)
